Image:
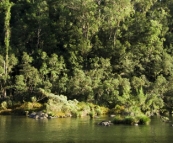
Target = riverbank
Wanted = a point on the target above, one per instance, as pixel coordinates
(67, 109)
(37, 110)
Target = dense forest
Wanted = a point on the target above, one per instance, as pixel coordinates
(106, 52)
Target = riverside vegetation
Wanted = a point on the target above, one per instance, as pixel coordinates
(58, 106)
(86, 57)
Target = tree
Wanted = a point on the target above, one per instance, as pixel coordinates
(7, 32)
(28, 80)
(8, 59)
(108, 92)
(53, 73)
(80, 86)
(30, 24)
(150, 104)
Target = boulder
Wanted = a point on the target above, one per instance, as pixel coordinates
(105, 123)
(40, 115)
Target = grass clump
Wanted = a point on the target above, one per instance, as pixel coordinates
(118, 120)
(143, 119)
(132, 120)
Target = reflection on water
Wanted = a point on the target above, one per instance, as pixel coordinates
(81, 130)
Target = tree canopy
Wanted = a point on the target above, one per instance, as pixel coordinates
(106, 52)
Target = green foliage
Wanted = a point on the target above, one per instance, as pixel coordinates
(118, 120)
(59, 104)
(28, 106)
(80, 85)
(149, 103)
(33, 99)
(143, 119)
(132, 120)
(20, 84)
(117, 110)
(3, 105)
(108, 53)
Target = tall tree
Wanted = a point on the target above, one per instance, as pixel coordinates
(7, 35)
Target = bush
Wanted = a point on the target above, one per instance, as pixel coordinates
(3, 105)
(143, 119)
(92, 114)
(118, 109)
(118, 120)
(75, 113)
(98, 111)
(33, 99)
(131, 120)
(104, 110)
(27, 106)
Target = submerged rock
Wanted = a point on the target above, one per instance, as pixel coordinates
(40, 115)
(105, 123)
(165, 119)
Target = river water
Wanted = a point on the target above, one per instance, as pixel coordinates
(17, 129)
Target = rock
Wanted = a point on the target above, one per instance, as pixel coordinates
(52, 117)
(112, 115)
(105, 123)
(136, 124)
(165, 119)
(36, 117)
(40, 115)
(26, 112)
(46, 115)
(32, 115)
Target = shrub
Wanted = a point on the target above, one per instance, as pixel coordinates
(98, 111)
(131, 120)
(3, 105)
(104, 110)
(83, 107)
(75, 113)
(92, 114)
(118, 109)
(143, 119)
(27, 106)
(33, 99)
(37, 105)
(118, 120)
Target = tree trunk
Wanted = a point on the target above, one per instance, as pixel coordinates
(7, 31)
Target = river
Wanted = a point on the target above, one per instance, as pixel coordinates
(18, 129)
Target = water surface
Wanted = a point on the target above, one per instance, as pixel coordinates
(81, 130)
